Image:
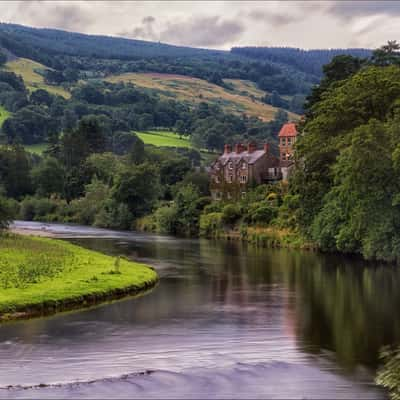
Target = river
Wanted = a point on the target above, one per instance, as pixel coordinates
(226, 321)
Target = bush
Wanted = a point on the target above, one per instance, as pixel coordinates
(230, 214)
(211, 224)
(260, 213)
(166, 219)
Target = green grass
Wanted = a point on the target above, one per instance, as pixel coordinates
(4, 114)
(164, 139)
(38, 272)
(36, 148)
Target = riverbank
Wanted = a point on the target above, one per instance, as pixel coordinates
(41, 276)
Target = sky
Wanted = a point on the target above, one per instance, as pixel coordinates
(220, 24)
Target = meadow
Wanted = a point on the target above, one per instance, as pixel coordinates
(242, 97)
(30, 72)
(42, 275)
(164, 139)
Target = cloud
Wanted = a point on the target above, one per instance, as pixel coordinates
(275, 19)
(146, 30)
(202, 31)
(60, 15)
(198, 31)
(354, 9)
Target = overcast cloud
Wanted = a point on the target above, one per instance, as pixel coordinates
(220, 24)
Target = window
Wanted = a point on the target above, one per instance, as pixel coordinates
(218, 195)
(244, 166)
(217, 179)
(243, 195)
(228, 195)
(230, 165)
(289, 141)
(283, 141)
(217, 167)
(243, 178)
(230, 178)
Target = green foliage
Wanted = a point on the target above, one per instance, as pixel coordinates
(138, 187)
(211, 224)
(260, 213)
(7, 212)
(387, 54)
(230, 214)
(15, 167)
(388, 375)
(48, 177)
(346, 186)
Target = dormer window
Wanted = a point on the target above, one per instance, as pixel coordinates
(230, 165)
(244, 166)
(283, 141)
(289, 141)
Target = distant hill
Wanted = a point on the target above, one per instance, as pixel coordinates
(289, 71)
(308, 61)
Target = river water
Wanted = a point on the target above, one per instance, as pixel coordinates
(226, 321)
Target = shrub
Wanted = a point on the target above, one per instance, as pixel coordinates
(230, 214)
(166, 219)
(211, 224)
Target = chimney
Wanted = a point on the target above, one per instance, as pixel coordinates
(227, 149)
(266, 148)
(251, 147)
(239, 148)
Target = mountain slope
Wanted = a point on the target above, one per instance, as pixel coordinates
(288, 71)
(244, 98)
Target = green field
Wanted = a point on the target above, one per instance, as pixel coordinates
(4, 114)
(36, 148)
(164, 139)
(40, 273)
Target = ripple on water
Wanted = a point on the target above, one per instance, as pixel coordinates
(261, 380)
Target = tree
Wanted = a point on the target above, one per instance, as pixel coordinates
(41, 97)
(3, 58)
(387, 54)
(138, 187)
(340, 68)
(6, 213)
(48, 177)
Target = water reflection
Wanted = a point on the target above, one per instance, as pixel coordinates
(219, 305)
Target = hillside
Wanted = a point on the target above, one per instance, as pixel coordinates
(30, 71)
(285, 70)
(244, 98)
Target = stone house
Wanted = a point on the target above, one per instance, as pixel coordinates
(234, 171)
(246, 166)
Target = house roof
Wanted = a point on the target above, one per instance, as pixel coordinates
(250, 158)
(288, 130)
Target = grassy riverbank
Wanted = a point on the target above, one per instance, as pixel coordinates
(40, 276)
